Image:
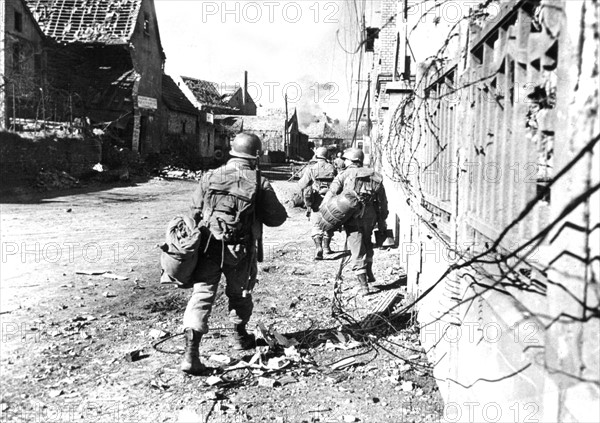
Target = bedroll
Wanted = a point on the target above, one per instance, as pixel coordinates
(338, 209)
(180, 252)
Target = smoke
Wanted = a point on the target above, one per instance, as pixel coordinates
(319, 100)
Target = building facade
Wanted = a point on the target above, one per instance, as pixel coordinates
(488, 151)
(22, 61)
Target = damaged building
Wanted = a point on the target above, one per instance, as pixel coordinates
(21, 62)
(102, 67)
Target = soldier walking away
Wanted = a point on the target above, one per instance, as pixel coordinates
(339, 163)
(368, 184)
(230, 206)
(315, 183)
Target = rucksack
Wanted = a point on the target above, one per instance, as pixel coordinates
(367, 184)
(228, 206)
(313, 195)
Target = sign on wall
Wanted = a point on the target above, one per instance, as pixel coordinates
(210, 118)
(147, 102)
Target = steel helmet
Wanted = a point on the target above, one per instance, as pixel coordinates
(354, 155)
(321, 153)
(245, 146)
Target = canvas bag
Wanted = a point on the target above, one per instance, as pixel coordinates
(180, 252)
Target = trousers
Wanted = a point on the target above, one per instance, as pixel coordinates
(236, 263)
(358, 237)
(315, 230)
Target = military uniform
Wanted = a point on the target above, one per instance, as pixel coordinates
(238, 261)
(359, 228)
(318, 177)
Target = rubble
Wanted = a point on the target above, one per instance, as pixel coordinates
(49, 180)
(213, 380)
(157, 334)
(134, 355)
(266, 382)
(172, 172)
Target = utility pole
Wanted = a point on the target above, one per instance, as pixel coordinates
(285, 127)
(369, 103)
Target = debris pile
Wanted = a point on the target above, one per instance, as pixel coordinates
(49, 180)
(172, 172)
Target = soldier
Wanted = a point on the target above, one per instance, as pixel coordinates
(230, 205)
(315, 182)
(368, 184)
(339, 163)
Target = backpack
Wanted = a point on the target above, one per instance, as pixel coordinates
(366, 185)
(228, 206)
(313, 195)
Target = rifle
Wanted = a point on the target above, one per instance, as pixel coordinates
(259, 245)
(252, 268)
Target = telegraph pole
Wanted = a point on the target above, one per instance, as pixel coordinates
(285, 127)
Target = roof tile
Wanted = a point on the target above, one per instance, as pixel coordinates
(87, 21)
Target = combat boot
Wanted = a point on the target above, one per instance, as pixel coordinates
(363, 286)
(326, 246)
(370, 275)
(242, 340)
(191, 363)
(318, 244)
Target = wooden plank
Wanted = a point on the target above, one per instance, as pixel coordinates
(382, 308)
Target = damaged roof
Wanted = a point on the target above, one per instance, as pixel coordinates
(87, 21)
(174, 98)
(207, 94)
(253, 123)
(322, 129)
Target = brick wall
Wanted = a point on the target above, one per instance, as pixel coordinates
(387, 36)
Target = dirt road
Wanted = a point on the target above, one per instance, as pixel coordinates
(80, 293)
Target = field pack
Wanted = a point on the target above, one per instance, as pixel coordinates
(180, 252)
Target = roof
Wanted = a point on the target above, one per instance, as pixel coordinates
(174, 98)
(321, 129)
(263, 123)
(252, 123)
(206, 92)
(87, 21)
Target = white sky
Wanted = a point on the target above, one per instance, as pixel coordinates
(291, 42)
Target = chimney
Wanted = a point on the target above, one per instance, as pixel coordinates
(245, 89)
